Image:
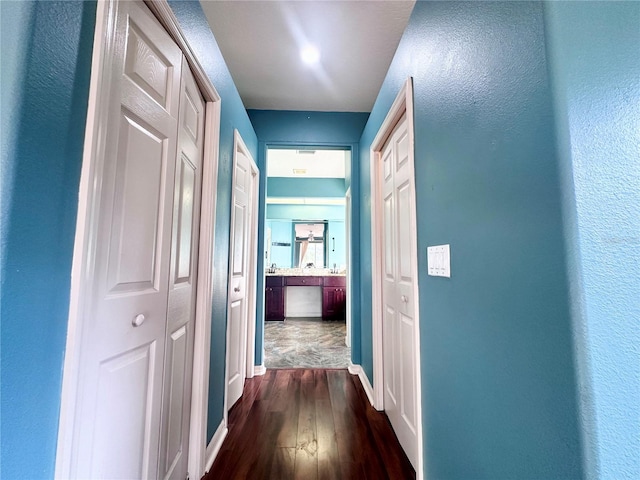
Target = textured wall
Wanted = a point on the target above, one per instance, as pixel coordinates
(284, 127)
(594, 51)
(46, 61)
(233, 116)
(305, 187)
(337, 244)
(305, 212)
(499, 397)
(317, 129)
(281, 232)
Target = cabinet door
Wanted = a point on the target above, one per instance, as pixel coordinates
(340, 303)
(333, 303)
(274, 303)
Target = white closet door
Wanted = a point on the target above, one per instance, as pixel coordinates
(117, 427)
(178, 365)
(398, 200)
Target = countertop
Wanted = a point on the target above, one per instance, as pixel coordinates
(305, 272)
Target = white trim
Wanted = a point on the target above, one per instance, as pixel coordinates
(402, 104)
(349, 237)
(214, 446)
(167, 18)
(259, 370)
(250, 281)
(88, 205)
(252, 291)
(364, 381)
(206, 265)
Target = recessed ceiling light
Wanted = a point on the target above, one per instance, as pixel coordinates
(310, 55)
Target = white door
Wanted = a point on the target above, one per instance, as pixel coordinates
(118, 412)
(178, 365)
(398, 319)
(243, 217)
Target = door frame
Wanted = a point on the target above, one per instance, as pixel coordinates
(252, 269)
(353, 150)
(82, 270)
(402, 104)
(349, 253)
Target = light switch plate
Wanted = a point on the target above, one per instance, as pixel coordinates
(439, 261)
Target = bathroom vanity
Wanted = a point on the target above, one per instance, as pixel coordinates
(295, 295)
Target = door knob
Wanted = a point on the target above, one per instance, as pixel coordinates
(237, 289)
(404, 299)
(139, 320)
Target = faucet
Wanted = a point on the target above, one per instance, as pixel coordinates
(273, 268)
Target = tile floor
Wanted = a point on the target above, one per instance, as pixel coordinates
(306, 343)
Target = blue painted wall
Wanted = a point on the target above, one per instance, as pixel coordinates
(336, 237)
(305, 212)
(315, 129)
(499, 396)
(233, 116)
(46, 61)
(294, 128)
(281, 232)
(594, 52)
(305, 187)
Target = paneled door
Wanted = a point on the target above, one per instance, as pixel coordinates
(398, 319)
(178, 364)
(239, 314)
(119, 399)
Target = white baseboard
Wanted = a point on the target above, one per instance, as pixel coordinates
(359, 371)
(259, 370)
(214, 445)
(354, 369)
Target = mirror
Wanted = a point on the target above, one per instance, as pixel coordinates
(309, 249)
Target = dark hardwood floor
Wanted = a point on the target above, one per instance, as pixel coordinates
(308, 424)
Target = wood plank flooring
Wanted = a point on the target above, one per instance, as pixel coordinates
(308, 424)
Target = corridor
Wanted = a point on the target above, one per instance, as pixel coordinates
(308, 424)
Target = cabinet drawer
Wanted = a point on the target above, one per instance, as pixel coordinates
(303, 281)
(335, 281)
(273, 281)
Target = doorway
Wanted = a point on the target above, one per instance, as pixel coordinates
(242, 272)
(396, 333)
(306, 257)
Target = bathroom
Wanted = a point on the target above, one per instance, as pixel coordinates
(306, 294)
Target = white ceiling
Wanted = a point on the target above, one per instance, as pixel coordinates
(307, 163)
(261, 42)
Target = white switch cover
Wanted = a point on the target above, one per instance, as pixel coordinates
(439, 261)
